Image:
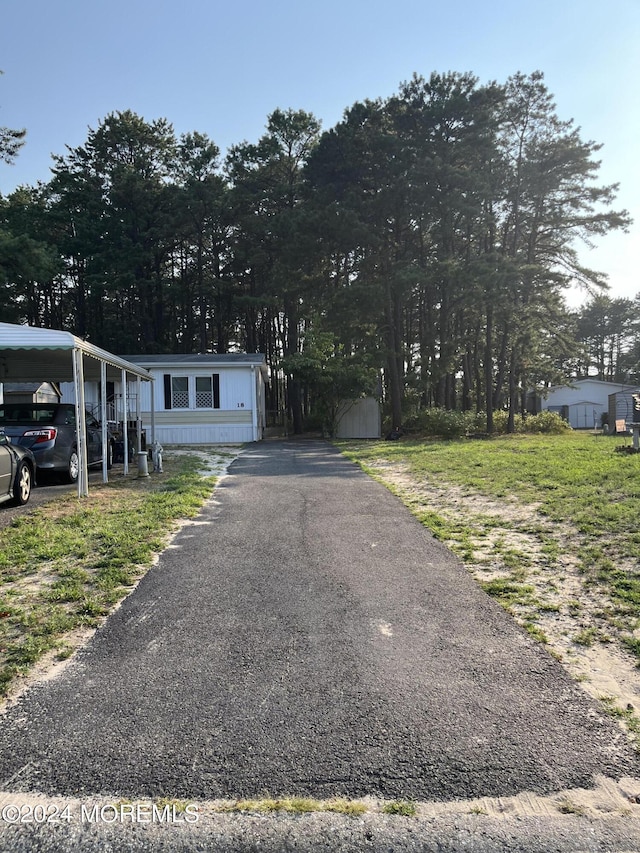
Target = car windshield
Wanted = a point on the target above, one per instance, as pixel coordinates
(25, 413)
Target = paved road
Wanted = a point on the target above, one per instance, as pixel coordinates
(308, 636)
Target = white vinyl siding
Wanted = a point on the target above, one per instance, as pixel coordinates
(234, 422)
(201, 417)
(201, 427)
(236, 388)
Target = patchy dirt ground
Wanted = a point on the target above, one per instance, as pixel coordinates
(215, 460)
(510, 541)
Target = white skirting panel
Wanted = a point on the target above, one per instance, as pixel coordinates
(205, 434)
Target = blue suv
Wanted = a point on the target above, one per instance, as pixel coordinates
(48, 430)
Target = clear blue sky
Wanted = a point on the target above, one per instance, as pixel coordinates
(221, 68)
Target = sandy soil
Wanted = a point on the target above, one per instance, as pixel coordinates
(608, 798)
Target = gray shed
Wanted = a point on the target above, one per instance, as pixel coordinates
(30, 392)
(621, 407)
(359, 419)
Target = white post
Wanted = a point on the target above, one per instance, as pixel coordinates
(103, 419)
(254, 403)
(153, 410)
(138, 414)
(81, 426)
(125, 426)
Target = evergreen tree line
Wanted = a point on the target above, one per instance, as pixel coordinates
(420, 249)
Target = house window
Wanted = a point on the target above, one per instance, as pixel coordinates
(179, 392)
(208, 392)
(204, 392)
(192, 392)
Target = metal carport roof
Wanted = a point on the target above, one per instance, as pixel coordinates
(29, 354)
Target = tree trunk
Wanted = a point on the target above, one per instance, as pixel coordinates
(488, 369)
(293, 385)
(394, 357)
(513, 394)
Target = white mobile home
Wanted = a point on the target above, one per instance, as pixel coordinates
(205, 399)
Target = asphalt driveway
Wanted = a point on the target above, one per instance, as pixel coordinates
(306, 635)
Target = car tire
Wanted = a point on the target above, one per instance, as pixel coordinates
(73, 467)
(109, 455)
(22, 484)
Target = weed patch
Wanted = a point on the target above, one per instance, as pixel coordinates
(626, 715)
(567, 806)
(295, 805)
(508, 592)
(400, 807)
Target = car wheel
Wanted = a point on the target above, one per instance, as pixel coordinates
(109, 455)
(73, 467)
(22, 484)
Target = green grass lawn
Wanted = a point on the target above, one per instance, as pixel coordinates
(577, 479)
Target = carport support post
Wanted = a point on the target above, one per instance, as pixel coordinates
(153, 412)
(254, 402)
(138, 413)
(103, 419)
(125, 430)
(81, 426)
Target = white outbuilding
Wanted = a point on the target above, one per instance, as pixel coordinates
(583, 402)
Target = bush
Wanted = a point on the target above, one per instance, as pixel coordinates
(549, 423)
(501, 422)
(449, 424)
(441, 422)
(476, 422)
(445, 423)
(546, 422)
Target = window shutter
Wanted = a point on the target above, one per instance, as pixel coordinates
(167, 391)
(216, 390)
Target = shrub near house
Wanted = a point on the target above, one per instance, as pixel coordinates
(449, 424)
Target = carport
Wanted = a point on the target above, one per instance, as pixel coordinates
(28, 354)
